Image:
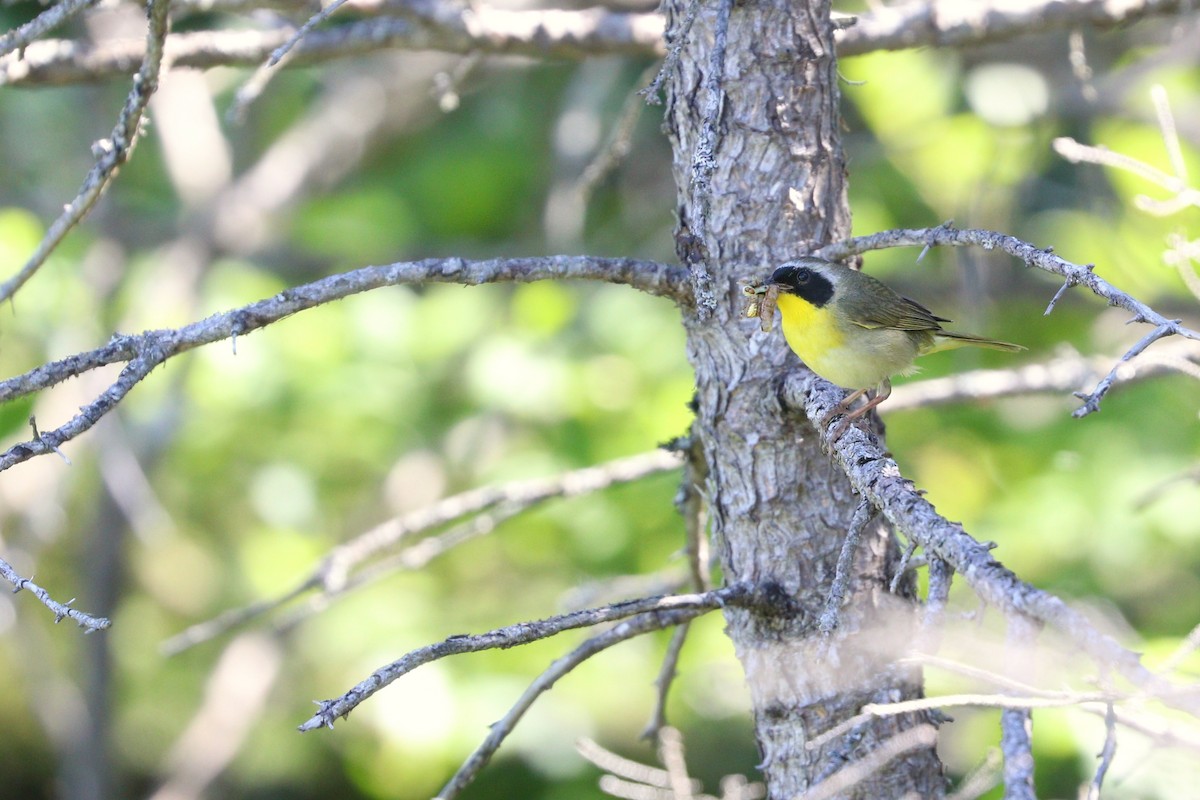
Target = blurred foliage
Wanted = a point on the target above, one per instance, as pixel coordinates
(227, 475)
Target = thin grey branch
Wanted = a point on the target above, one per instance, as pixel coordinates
(552, 33)
(1016, 724)
(44, 22)
(1066, 372)
(145, 351)
(845, 563)
(335, 575)
(941, 575)
(61, 610)
(1074, 274)
(950, 23)
(678, 38)
(877, 478)
(643, 623)
(649, 614)
(110, 153)
(1106, 754)
(662, 684)
(543, 33)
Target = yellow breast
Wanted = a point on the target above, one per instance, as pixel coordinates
(859, 358)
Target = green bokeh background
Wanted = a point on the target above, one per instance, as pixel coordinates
(254, 463)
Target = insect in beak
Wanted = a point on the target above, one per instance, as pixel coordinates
(762, 303)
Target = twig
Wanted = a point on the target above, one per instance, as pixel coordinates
(704, 163)
(662, 684)
(903, 566)
(678, 39)
(253, 88)
(333, 575)
(312, 22)
(556, 33)
(1163, 732)
(145, 351)
(614, 150)
(1065, 372)
(1091, 400)
(1075, 274)
(876, 477)
(110, 153)
(37, 437)
(1183, 194)
(46, 21)
(1170, 134)
(1105, 755)
(61, 610)
(858, 770)
(652, 613)
(1016, 724)
(643, 623)
(862, 517)
(941, 575)
(542, 33)
(411, 558)
(689, 501)
(937, 23)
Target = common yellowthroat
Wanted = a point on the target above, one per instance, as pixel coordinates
(854, 331)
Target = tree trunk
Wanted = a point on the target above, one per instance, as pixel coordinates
(780, 510)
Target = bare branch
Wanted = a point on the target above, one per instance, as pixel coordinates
(61, 610)
(689, 501)
(333, 575)
(110, 153)
(652, 613)
(1106, 754)
(845, 563)
(46, 21)
(1075, 275)
(662, 684)
(1016, 724)
(544, 33)
(877, 478)
(678, 37)
(500, 730)
(552, 33)
(1066, 372)
(146, 351)
(948, 23)
(941, 575)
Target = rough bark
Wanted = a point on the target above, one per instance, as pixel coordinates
(780, 511)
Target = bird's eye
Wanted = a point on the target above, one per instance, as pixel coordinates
(802, 275)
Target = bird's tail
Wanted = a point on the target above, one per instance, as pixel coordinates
(948, 340)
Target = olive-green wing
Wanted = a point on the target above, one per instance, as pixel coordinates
(874, 305)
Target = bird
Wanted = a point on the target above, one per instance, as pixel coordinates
(855, 331)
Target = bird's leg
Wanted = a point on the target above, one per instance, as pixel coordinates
(881, 393)
(843, 407)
